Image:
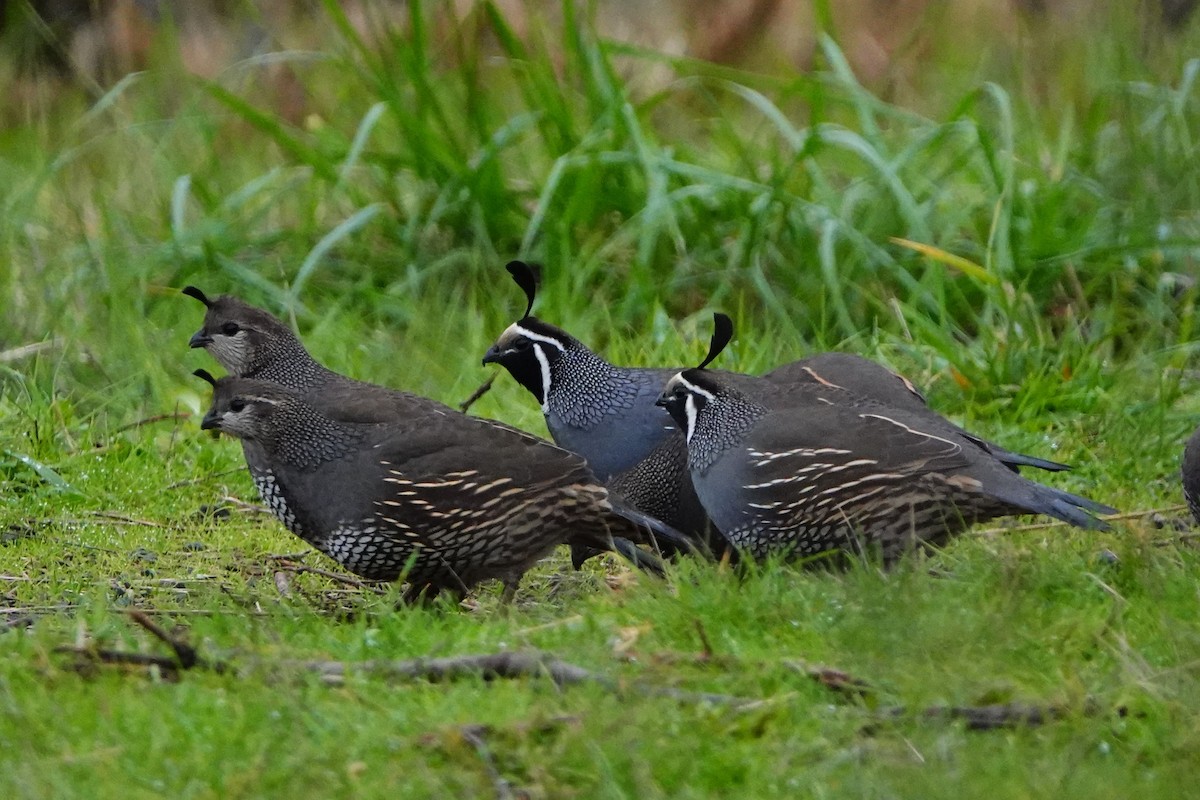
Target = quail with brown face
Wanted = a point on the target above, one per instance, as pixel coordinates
(252, 343)
(445, 501)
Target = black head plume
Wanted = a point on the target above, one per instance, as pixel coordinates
(203, 373)
(192, 291)
(722, 334)
(527, 277)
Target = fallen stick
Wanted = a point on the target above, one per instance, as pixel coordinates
(490, 666)
(535, 664)
(483, 389)
(290, 566)
(1037, 526)
(835, 680)
(998, 716)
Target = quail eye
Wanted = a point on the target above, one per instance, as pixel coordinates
(230, 328)
(237, 404)
(522, 344)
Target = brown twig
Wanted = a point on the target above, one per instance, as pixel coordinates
(91, 655)
(474, 736)
(203, 478)
(509, 664)
(535, 664)
(483, 389)
(835, 680)
(185, 656)
(998, 715)
(121, 519)
(1035, 526)
(290, 566)
(707, 651)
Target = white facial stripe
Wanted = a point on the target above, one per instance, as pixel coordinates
(544, 363)
(538, 337)
(689, 407)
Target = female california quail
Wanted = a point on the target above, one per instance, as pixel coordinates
(802, 472)
(252, 343)
(446, 500)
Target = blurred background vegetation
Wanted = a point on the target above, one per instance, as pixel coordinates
(999, 196)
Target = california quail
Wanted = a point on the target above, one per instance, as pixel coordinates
(252, 343)
(801, 472)
(865, 378)
(1191, 474)
(606, 413)
(446, 500)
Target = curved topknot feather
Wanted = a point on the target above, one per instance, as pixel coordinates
(192, 291)
(206, 375)
(722, 335)
(526, 276)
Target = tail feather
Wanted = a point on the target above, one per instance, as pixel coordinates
(1081, 502)
(1070, 508)
(1069, 512)
(663, 536)
(1013, 460)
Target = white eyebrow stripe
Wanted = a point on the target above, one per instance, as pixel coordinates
(691, 387)
(539, 337)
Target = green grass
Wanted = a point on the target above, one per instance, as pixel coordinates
(380, 225)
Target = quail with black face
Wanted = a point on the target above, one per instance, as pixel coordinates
(606, 413)
(803, 473)
(446, 502)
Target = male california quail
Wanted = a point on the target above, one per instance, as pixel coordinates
(801, 472)
(447, 500)
(1191, 474)
(607, 414)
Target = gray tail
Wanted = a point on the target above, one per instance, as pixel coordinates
(662, 536)
(1014, 460)
(665, 537)
(591, 546)
(1070, 508)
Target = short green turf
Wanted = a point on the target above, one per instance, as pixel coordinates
(379, 225)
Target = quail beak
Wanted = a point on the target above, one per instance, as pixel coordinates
(663, 401)
(495, 355)
(200, 339)
(211, 422)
